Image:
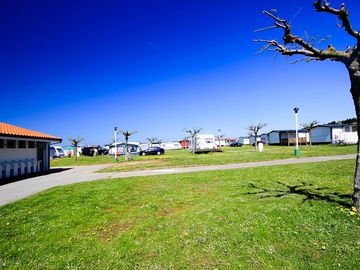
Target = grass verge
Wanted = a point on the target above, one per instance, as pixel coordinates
(280, 217)
(182, 158)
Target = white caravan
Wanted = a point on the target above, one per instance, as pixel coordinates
(204, 143)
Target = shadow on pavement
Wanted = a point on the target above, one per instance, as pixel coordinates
(32, 175)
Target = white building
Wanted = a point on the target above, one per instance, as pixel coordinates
(334, 133)
(23, 151)
(244, 140)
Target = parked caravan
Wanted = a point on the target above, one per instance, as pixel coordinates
(204, 143)
(170, 145)
(133, 149)
(56, 152)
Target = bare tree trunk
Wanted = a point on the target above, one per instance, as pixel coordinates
(256, 145)
(126, 149)
(356, 98)
(354, 72)
(75, 151)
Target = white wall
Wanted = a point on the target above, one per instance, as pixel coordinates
(17, 154)
(244, 141)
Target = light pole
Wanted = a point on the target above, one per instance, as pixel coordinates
(219, 138)
(115, 156)
(297, 150)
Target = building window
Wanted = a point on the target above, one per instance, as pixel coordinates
(347, 129)
(11, 143)
(2, 143)
(22, 144)
(31, 144)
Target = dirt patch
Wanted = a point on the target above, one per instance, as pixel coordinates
(169, 211)
(108, 233)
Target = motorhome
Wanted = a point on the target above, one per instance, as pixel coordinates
(204, 143)
(56, 152)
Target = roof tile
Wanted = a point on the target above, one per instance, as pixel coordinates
(10, 130)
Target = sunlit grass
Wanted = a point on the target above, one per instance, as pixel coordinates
(231, 219)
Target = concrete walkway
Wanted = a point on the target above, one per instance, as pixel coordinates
(21, 189)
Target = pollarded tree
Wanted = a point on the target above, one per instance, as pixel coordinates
(308, 127)
(295, 45)
(153, 140)
(75, 142)
(127, 134)
(254, 130)
(192, 133)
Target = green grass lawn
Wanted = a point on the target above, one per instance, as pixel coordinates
(280, 217)
(182, 158)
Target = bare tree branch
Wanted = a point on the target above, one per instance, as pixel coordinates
(342, 14)
(305, 48)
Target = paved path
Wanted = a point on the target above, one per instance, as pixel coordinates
(24, 188)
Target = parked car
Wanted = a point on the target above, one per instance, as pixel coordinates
(94, 150)
(56, 152)
(152, 151)
(236, 144)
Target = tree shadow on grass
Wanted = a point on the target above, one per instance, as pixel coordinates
(307, 190)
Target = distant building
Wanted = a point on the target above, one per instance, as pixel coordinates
(334, 133)
(23, 151)
(287, 137)
(244, 140)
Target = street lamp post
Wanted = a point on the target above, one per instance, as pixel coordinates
(297, 150)
(115, 156)
(219, 138)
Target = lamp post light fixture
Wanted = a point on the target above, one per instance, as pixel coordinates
(297, 150)
(115, 145)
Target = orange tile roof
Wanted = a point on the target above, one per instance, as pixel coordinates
(14, 131)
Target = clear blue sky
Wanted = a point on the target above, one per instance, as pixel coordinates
(71, 68)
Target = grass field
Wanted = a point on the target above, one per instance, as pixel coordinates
(182, 158)
(280, 217)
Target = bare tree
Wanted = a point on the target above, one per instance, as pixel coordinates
(254, 130)
(127, 134)
(304, 47)
(192, 134)
(153, 140)
(219, 137)
(308, 127)
(75, 142)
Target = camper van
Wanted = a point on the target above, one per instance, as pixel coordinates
(204, 143)
(133, 149)
(56, 152)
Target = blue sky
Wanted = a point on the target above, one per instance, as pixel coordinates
(72, 68)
